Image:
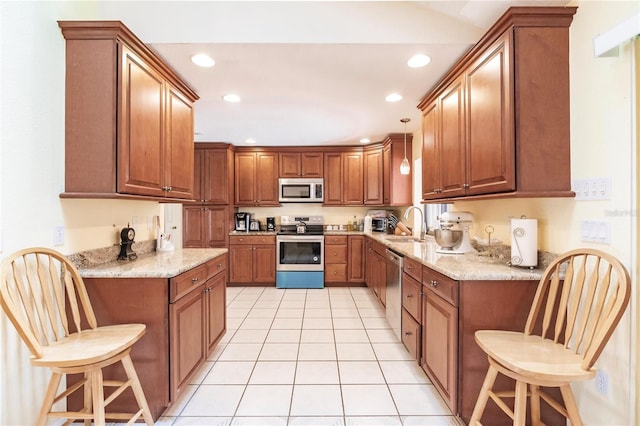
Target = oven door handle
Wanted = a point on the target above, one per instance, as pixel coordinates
(312, 238)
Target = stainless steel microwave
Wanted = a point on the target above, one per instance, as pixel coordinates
(301, 190)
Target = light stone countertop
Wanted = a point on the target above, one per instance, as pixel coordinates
(154, 265)
(469, 266)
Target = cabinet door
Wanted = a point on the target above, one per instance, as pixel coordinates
(386, 175)
(245, 172)
(198, 175)
(140, 148)
(355, 263)
(241, 263)
(217, 218)
(430, 159)
(490, 152)
(373, 174)
(178, 146)
(333, 178)
(264, 263)
(382, 278)
(311, 164)
(216, 176)
(451, 146)
(368, 264)
(194, 227)
(186, 317)
(352, 179)
(289, 165)
(411, 334)
(266, 179)
(215, 299)
(440, 346)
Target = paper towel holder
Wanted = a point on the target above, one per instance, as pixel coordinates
(517, 257)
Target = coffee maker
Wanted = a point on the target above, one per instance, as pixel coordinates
(271, 224)
(243, 220)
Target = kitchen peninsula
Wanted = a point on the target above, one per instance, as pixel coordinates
(181, 296)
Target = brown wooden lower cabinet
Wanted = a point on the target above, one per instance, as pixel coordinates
(252, 259)
(344, 259)
(452, 311)
(376, 269)
(185, 319)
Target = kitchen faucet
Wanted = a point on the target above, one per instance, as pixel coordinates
(406, 216)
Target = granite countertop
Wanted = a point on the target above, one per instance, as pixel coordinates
(154, 264)
(469, 266)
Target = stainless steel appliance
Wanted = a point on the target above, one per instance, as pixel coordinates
(379, 224)
(300, 252)
(453, 236)
(243, 221)
(301, 190)
(394, 291)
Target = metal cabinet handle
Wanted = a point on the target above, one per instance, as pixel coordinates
(407, 333)
(194, 280)
(409, 296)
(465, 186)
(219, 265)
(434, 283)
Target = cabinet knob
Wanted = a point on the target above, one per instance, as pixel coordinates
(409, 296)
(465, 186)
(407, 333)
(241, 239)
(219, 265)
(434, 283)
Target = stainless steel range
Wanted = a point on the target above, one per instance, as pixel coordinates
(300, 252)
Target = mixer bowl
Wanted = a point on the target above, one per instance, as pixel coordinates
(447, 238)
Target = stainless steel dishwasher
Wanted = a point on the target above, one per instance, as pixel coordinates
(394, 291)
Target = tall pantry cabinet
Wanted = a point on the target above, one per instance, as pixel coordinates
(207, 223)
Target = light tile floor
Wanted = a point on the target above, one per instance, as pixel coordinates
(308, 357)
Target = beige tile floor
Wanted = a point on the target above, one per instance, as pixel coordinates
(308, 357)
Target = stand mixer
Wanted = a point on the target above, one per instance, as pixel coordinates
(450, 222)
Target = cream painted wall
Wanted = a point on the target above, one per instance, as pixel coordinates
(32, 175)
(602, 145)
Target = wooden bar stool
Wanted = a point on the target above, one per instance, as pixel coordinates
(579, 301)
(45, 298)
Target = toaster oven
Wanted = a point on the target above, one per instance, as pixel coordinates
(379, 224)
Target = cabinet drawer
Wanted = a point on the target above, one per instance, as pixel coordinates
(252, 239)
(187, 281)
(411, 295)
(335, 239)
(379, 248)
(335, 272)
(413, 268)
(335, 254)
(441, 285)
(217, 265)
(411, 336)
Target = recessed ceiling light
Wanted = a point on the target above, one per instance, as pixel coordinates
(419, 60)
(364, 140)
(231, 97)
(393, 97)
(203, 60)
(250, 140)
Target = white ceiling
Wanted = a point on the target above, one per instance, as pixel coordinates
(308, 72)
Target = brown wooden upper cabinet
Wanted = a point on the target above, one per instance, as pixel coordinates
(397, 189)
(213, 165)
(301, 164)
(128, 117)
(256, 178)
(343, 178)
(497, 125)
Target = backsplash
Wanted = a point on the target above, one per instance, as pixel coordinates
(89, 258)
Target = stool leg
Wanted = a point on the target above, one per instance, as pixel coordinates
(535, 405)
(137, 389)
(52, 389)
(520, 404)
(88, 403)
(97, 392)
(570, 405)
(483, 396)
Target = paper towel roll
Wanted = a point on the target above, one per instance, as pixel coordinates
(524, 242)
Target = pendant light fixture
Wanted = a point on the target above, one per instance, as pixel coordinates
(405, 167)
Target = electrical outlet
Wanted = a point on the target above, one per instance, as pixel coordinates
(602, 382)
(58, 236)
